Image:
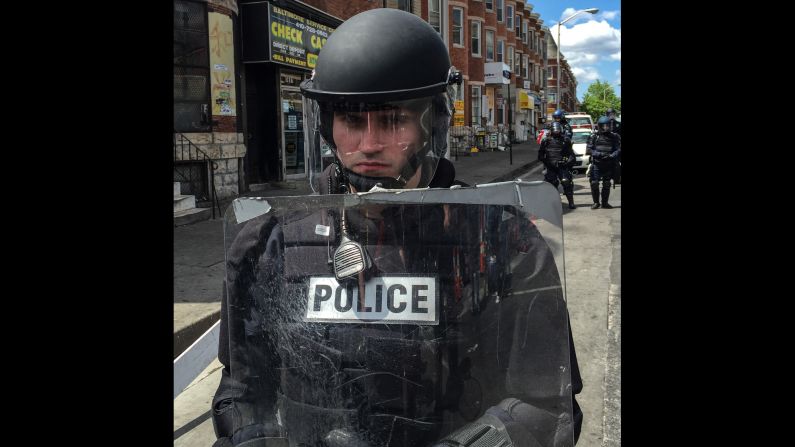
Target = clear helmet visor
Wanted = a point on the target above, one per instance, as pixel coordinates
(394, 144)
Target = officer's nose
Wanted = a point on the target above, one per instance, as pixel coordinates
(374, 136)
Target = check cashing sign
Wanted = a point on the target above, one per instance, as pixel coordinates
(295, 40)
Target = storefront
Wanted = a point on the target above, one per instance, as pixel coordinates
(524, 115)
(280, 48)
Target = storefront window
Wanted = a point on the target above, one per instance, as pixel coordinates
(294, 155)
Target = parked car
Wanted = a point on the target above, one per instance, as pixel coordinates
(578, 140)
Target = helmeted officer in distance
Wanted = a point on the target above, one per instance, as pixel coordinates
(558, 156)
(605, 148)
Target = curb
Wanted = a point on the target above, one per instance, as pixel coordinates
(516, 172)
(611, 423)
(185, 337)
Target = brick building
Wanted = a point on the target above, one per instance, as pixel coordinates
(238, 65)
(481, 35)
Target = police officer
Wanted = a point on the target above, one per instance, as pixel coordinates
(559, 117)
(558, 156)
(605, 149)
(615, 126)
(381, 97)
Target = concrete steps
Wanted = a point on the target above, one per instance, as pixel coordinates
(185, 211)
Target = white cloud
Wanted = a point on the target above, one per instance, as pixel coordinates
(586, 17)
(567, 12)
(592, 37)
(581, 17)
(577, 58)
(586, 41)
(585, 74)
(609, 15)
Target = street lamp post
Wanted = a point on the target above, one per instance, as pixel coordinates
(557, 75)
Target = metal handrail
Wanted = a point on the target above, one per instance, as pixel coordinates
(195, 153)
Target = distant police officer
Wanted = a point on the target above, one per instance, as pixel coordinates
(558, 156)
(560, 117)
(605, 149)
(615, 125)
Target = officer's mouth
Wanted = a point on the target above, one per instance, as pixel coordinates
(371, 167)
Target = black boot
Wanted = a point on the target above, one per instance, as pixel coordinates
(606, 195)
(595, 195)
(571, 201)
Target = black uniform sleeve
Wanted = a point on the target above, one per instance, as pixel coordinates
(243, 403)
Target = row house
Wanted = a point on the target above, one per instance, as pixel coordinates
(237, 73)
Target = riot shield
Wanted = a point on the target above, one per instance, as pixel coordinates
(399, 318)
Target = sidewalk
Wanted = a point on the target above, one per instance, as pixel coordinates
(199, 271)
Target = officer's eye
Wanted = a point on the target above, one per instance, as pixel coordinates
(394, 118)
(353, 119)
(405, 118)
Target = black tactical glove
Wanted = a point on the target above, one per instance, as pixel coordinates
(513, 422)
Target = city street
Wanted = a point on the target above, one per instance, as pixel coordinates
(592, 243)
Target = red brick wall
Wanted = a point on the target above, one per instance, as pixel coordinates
(476, 64)
(491, 17)
(224, 123)
(459, 56)
(476, 8)
(344, 9)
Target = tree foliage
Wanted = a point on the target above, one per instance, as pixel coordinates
(599, 97)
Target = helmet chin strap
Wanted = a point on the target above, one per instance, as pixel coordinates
(364, 183)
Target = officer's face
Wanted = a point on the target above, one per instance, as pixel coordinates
(378, 143)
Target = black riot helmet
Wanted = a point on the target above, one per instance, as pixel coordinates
(603, 124)
(381, 98)
(557, 129)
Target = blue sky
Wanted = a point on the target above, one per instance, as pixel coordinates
(591, 43)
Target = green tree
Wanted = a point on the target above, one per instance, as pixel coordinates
(599, 97)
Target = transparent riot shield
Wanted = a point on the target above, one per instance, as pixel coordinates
(398, 318)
